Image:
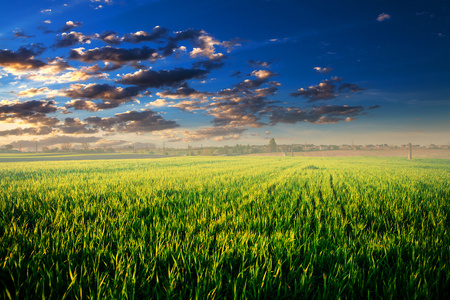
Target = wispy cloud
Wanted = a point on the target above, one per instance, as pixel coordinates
(383, 17)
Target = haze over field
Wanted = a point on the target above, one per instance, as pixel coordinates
(111, 73)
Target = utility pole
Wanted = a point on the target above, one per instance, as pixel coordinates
(36, 146)
(292, 150)
(164, 146)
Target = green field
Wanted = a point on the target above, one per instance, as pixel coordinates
(228, 227)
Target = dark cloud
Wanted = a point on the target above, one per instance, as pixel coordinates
(209, 64)
(111, 96)
(233, 43)
(326, 90)
(71, 39)
(132, 121)
(96, 69)
(44, 130)
(316, 115)
(31, 112)
(75, 126)
(113, 55)
(242, 111)
(71, 25)
(217, 133)
(21, 34)
(349, 87)
(101, 91)
(23, 59)
(156, 35)
(157, 79)
(184, 92)
(236, 74)
(258, 64)
(202, 42)
(188, 34)
(263, 77)
(239, 106)
(169, 48)
(110, 37)
(247, 105)
(80, 104)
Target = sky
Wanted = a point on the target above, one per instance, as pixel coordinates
(113, 73)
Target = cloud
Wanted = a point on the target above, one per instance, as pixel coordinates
(184, 92)
(247, 104)
(71, 25)
(189, 105)
(46, 11)
(100, 91)
(21, 34)
(211, 64)
(21, 60)
(111, 96)
(109, 143)
(110, 37)
(323, 70)
(317, 115)
(383, 17)
(158, 79)
(30, 112)
(27, 131)
(327, 90)
(113, 55)
(52, 73)
(156, 35)
(132, 122)
(236, 74)
(75, 126)
(37, 91)
(80, 104)
(239, 106)
(102, 1)
(157, 103)
(204, 44)
(349, 87)
(263, 77)
(258, 64)
(55, 141)
(216, 133)
(71, 39)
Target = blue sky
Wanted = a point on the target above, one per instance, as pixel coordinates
(112, 73)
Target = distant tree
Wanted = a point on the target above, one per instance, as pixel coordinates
(85, 146)
(8, 147)
(272, 145)
(66, 147)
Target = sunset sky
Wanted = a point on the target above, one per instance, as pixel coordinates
(111, 72)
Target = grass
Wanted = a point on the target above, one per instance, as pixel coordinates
(36, 157)
(228, 227)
